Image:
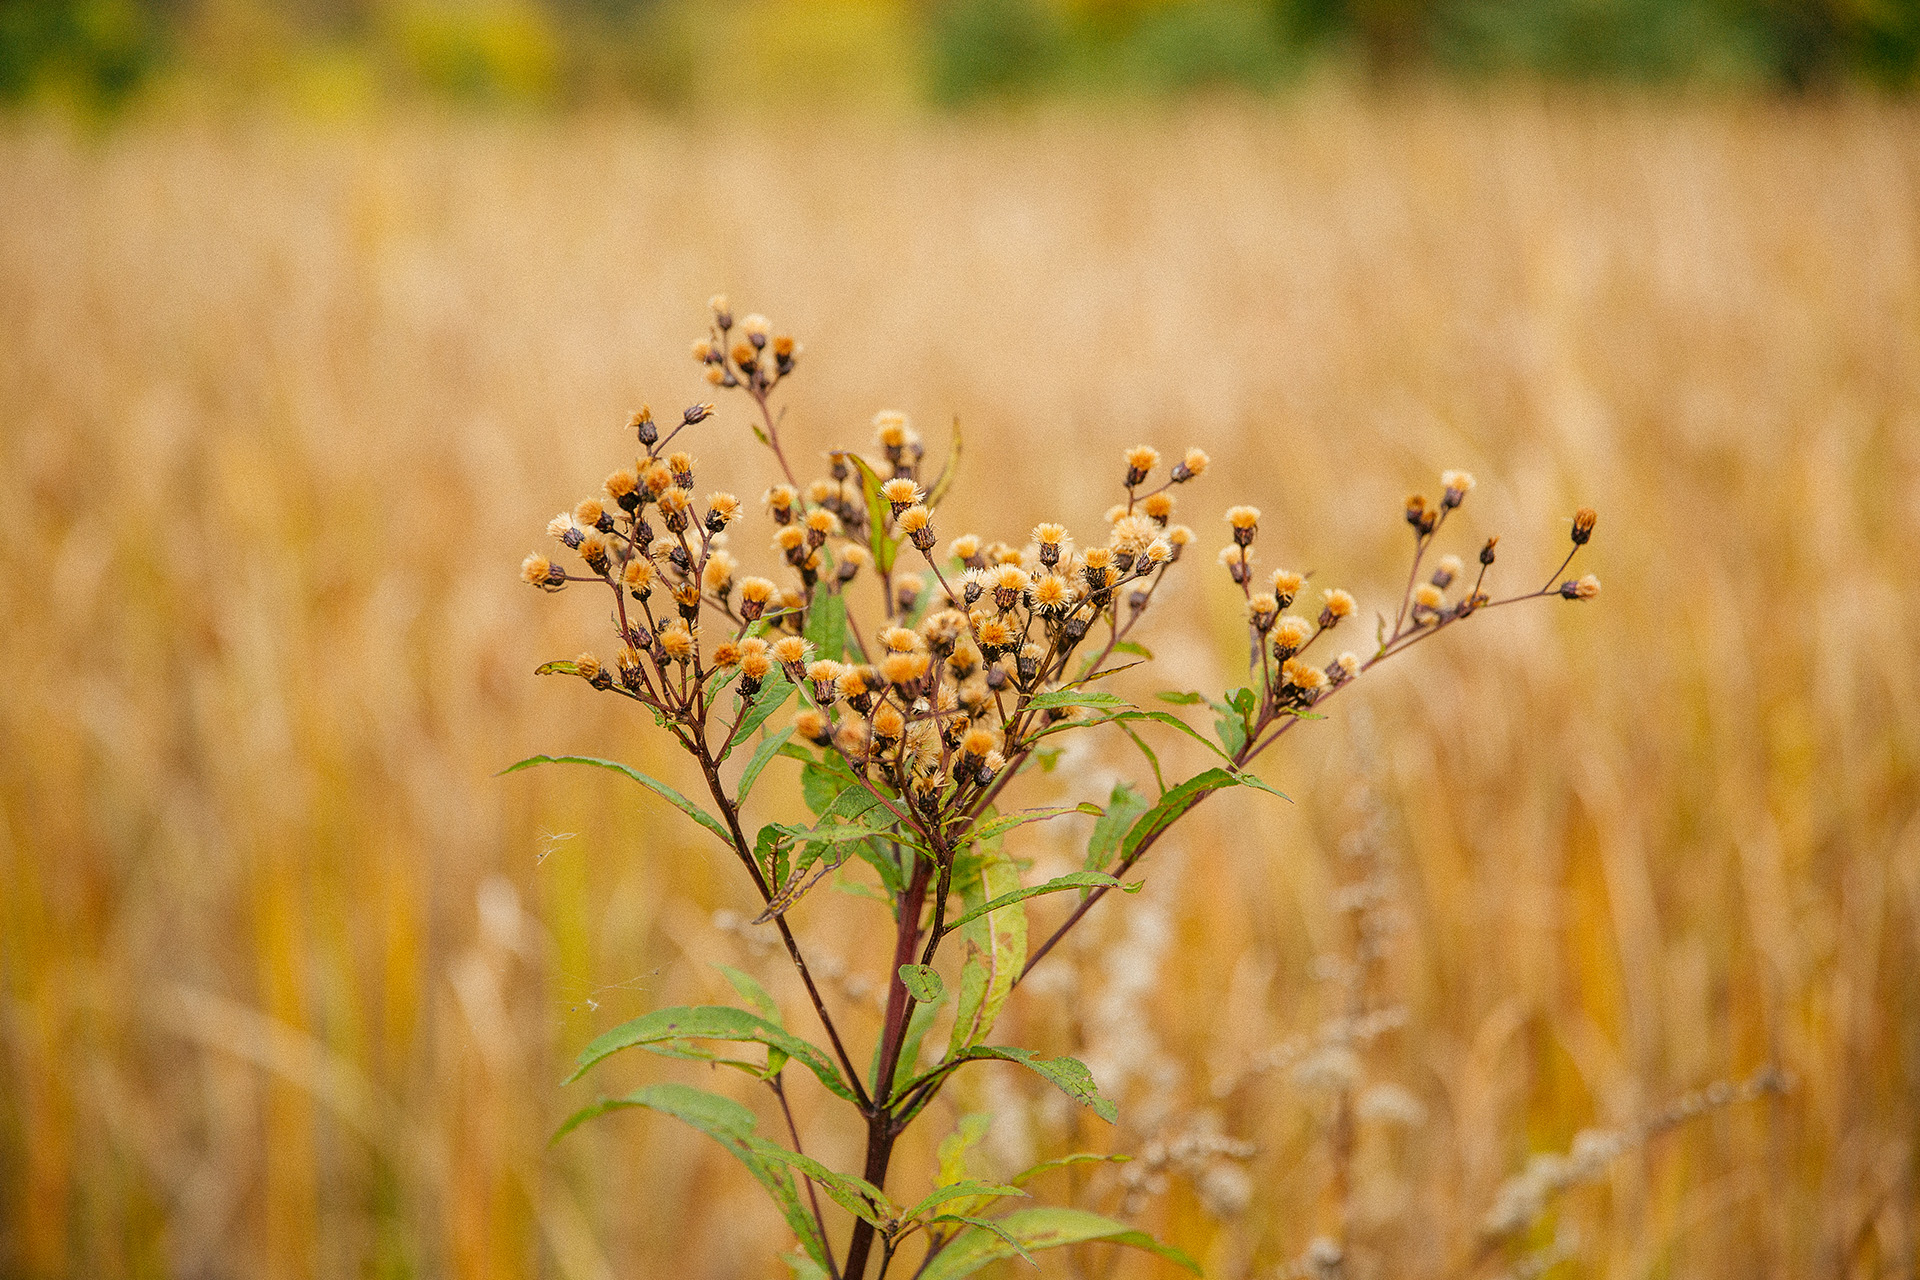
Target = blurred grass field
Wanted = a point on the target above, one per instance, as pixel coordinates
(290, 977)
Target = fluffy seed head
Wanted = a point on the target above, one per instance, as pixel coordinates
(587, 665)
(1302, 675)
(1348, 665)
(1262, 610)
(717, 577)
(890, 429)
(1584, 589)
(755, 326)
(1049, 593)
(638, 575)
(676, 639)
(966, 547)
(811, 723)
(979, 741)
(1583, 521)
(824, 671)
(904, 668)
(915, 520)
(1141, 459)
(900, 639)
(822, 522)
(755, 665)
(1291, 632)
(1456, 485)
(1243, 517)
(1049, 534)
(792, 651)
(755, 591)
(723, 508)
(1196, 461)
(1428, 596)
(850, 683)
(681, 465)
(1339, 604)
(536, 569)
(888, 723)
(726, 654)
(1097, 557)
(657, 478)
(902, 493)
(589, 513)
(1158, 507)
(1179, 535)
(789, 537)
(621, 484)
(1286, 585)
(1159, 551)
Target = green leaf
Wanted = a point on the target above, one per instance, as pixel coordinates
(919, 1022)
(556, 669)
(1076, 698)
(1171, 806)
(998, 826)
(763, 755)
(1180, 699)
(1027, 1175)
(996, 948)
(654, 785)
(879, 855)
(964, 1189)
(822, 783)
(711, 1022)
(1231, 729)
(1172, 721)
(948, 470)
(954, 1147)
(729, 1124)
(826, 627)
(803, 1267)
(1247, 778)
(1136, 649)
(923, 982)
(1059, 884)
(752, 992)
(1069, 1075)
(1030, 1230)
(856, 1195)
(1123, 806)
(773, 694)
(879, 515)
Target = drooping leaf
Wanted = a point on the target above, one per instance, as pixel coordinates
(711, 1022)
(557, 669)
(1059, 884)
(763, 755)
(856, 1195)
(1123, 806)
(731, 1125)
(654, 785)
(879, 515)
(1231, 728)
(1031, 1230)
(923, 982)
(1180, 699)
(1135, 648)
(1069, 1075)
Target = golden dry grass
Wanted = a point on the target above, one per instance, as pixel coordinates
(290, 977)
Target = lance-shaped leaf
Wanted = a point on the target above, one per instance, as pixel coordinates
(1028, 1174)
(710, 1022)
(752, 992)
(996, 947)
(773, 694)
(879, 515)
(763, 756)
(1059, 884)
(654, 785)
(731, 1125)
(1030, 1230)
(954, 1147)
(1076, 698)
(1123, 807)
(826, 627)
(1175, 802)
(984, 1192)
(998, 825)
(948, 471)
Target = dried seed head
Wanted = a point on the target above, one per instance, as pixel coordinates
(638, 576)
(994, 636)
(1008, 582)
(821, 525)
(676, 640)
(722, 510)
(722, 310)
(681, 465)
(784, 349)
(1486, 552)
(1179, 535)
(899, 639)
(979, 742)
(901, 493)
(888, 723)
(587, 665)
(1190, 466)
(543, 573)
(1427, 597)
(966, 549)
(703, 352)
(1339, 605)
(755, 664)
(1416, 510)
(1302, 675)
(1584, 589)
(812, 724)
(756, 328)
(1141, 459)
(593, 549)
(726, 654)
(657, 478)
(563, 528)
(1286, 585)
(1049, 594)
(1344, 668)
(1445, 572)
(792, 651)
(642, 426)
(1262, 610)
(1245, 522)
(1158, 552)
(1131, 534)
(673, 510)
(1158, 507)
(917, 524)
(891, 430)
(1455, 486)
(754, 595)
(1289, 634)
(624, 488)
(1583, 522)
(942, 629)
(904, 668)
(850, 683)
(779, 502)
(789, 538)
(1238, 560)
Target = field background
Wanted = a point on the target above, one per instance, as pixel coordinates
(288, 977)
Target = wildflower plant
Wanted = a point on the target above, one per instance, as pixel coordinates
(924, 679)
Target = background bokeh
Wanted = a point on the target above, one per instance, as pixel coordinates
(289, 977)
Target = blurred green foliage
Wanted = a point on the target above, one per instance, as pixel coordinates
(951, 52)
